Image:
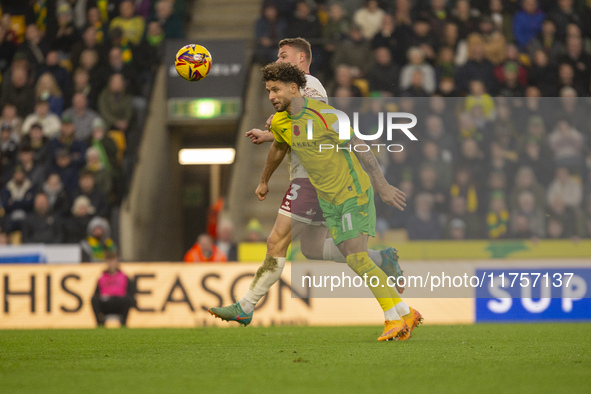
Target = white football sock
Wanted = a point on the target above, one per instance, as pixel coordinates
(330, 252)
(402, 308)
(266, 276)
(391, 314)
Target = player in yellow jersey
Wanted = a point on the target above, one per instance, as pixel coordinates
(344, 191)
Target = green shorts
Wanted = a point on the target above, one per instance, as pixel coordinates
(354, 216)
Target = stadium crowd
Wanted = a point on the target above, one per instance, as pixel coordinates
(75, 78)
(500, 87)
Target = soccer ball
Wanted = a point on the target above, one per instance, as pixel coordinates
(193, 62)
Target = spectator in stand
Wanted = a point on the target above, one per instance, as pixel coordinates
(205, 251)
(93, 18)
(10, 117)
(343, 79)
(254, 231)
(89, 40)
(547, 42)
(98, 242)
(501, 161)
(437, 132)
(76, 225)
(66, 168)
(464, 186)
(81, 82)
(270, 28)
(35, 47)
(34, 172)
(369, 18)
(476, 68)
(471, 221)
(428, 185)
(456, 229)
(304, 23)
(566, 79)
(570, 224)
(41, 225)
(463, 18)
(424, 39)
(450, 38)
(87, 187)
(533, 157)
(526, 208)
(47, 89)
(225, 241)
(417, 86)
(542, 74)
(383, 76)
(53, 66)
(49, 121)
(416, 62)
(525, 180)
(114, 294)
(115, 105)
(445, 66)
(116, 64)
(502, 17)
(67, 140)
(82, 116)
(8, 150)
(131, 25)
(395, 38)
(354, 51)
(563, 14)
(511, 87)
(66, 34)
(58, 199)
(18, 91)
(169, 19)
(572, 108)
(39, 144)
(567, 145)
(102, 176)
(335, 29)
(580, 61)
(566, 187)
(423, 223)
(472, 157)
(106, 146)
(442, 167)
(17, 199)
(149, 54)
(527, 23)
(497, 219)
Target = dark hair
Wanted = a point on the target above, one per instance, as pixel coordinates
(300, 44)
(284, 72)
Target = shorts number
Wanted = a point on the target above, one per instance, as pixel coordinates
(347, 222)
(293, 192)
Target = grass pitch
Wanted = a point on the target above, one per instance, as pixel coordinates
(540, 358)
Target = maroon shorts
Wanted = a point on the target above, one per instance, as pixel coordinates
(301, 202)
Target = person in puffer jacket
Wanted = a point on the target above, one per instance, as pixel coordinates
(98, 241)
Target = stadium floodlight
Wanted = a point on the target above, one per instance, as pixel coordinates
(207, 156)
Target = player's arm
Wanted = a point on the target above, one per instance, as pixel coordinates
(276, 154)
(388, 193)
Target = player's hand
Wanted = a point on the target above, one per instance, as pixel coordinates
(256, 136)
(268, 122)
(262, 190)
(393, 197)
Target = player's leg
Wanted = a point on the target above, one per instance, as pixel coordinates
(350, 224)
(270, 271)
(314, 242)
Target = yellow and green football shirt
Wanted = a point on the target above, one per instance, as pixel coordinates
(337, 175)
